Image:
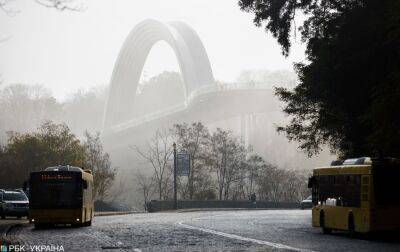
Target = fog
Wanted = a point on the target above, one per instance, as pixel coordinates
(57, 66)
(66, 51)
(25, 107)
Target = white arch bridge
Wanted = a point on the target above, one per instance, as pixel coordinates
(204, 101)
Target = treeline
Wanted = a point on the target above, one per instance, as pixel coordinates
(221, 167)
(50, 145)
(23, 108)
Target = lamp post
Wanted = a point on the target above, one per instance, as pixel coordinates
(175, 192)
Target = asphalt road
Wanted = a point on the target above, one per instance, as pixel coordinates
(253, 230)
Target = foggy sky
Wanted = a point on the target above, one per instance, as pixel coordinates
(65, 51)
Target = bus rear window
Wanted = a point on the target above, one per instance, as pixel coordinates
(56, 194)
(55, 190)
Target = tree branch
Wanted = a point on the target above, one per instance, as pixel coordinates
(8, 11)
(61, 5)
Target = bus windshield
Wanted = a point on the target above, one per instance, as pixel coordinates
(57, 194)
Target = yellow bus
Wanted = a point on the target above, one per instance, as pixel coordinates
(61, 195)
(357, 195)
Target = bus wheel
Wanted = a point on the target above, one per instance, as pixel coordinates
(325, 230)
(351, 226)
(88, 223)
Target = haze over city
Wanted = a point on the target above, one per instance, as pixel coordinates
(66, 51)
(199, 125)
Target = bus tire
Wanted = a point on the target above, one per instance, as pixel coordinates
(88, 223)
(350, 225)
(325, 230)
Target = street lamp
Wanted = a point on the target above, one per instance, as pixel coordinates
(175, 192)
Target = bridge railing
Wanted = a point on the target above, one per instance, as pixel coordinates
(225, 87)
(205, 90)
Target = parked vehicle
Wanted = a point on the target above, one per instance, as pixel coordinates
(13, 203)
(307, 203)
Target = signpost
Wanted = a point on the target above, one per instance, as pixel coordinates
(181, 168)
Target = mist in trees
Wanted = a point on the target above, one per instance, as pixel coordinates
(84, 110)
(23, 108)
(282, 78)
(227, 159)
(99, 163)
(193, 139)
(145, 186)
(157, 152)
(26, 107)
(222, 167)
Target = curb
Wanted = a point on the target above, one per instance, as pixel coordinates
(219, 209)
(99, 214)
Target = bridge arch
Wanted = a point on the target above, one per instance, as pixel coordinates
(189, 50)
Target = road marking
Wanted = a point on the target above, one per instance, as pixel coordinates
(238, 237)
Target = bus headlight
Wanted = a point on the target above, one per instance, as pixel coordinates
(77, 219)
(32, 220)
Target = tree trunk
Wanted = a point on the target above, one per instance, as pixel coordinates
(160, 190)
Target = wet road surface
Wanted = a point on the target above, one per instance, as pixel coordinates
(250, 230)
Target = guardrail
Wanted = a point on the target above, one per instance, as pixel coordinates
(156, 206)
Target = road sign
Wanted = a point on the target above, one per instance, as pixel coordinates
(183, 163)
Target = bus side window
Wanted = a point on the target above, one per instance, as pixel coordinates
(356, 180)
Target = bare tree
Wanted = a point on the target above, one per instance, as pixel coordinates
(255, 164)
(236, 166)
(193, 139)
(157, 153)
(83, 110)
(227, 158)
(23, 107)
(100, 164)
(145, 186)
(276, 185)
(61, 5)
(119, 190)
(7, 10)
